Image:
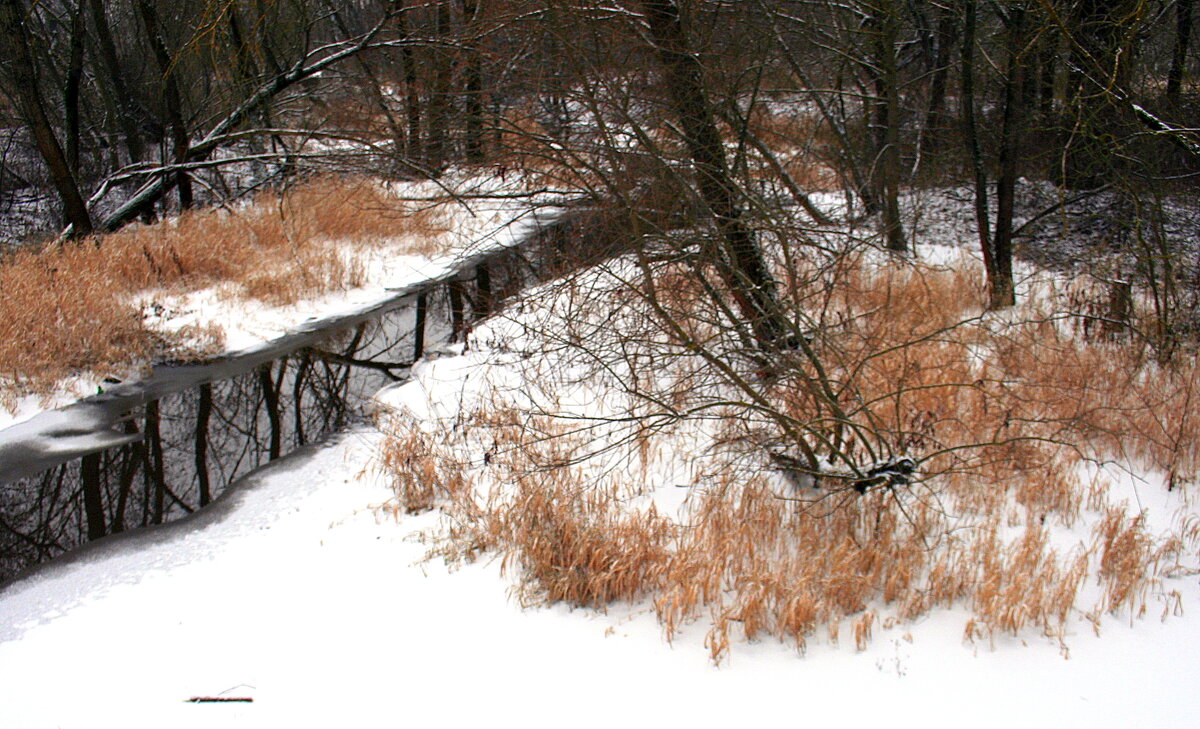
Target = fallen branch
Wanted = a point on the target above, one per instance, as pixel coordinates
(1019, 232)
(304, 68)
(219, 700)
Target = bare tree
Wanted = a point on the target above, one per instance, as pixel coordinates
(22, 85)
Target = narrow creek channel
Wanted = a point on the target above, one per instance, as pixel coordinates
(153, 451)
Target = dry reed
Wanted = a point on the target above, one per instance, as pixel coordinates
(72, 307)
(987, 528)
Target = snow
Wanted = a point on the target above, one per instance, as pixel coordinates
(29, 406)
(299, 593)
(298, 590)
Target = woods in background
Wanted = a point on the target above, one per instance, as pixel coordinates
(126, 110)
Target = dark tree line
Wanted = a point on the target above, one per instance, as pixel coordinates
(132, 108)
(122, 104)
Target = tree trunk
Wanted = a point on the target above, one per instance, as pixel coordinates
(887, 126)
(473, 100)
(971, 136)
(298, 383)
(203, 414)
(945, 36)
(482, 305)
(270, 394)
(419, 327)
(246, 66)
(1047, 70)
(436, 148)
(743, 269)
(171, 99)
(458, 326)
(127, 116)
(412, 98)
(156, 478)
(133, 458)
(93, 502)
(1183, 37)
(71, 88)
(1001, 285)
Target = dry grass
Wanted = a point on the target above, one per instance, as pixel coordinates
(993, 529)
(755, 565)
(61, 315)
(1013, 382)
(577, 545)
(419, 481)
(71, 308)
(279, 249)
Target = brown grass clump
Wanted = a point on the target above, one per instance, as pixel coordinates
(772, 567)
(284, 238)
(62, 315)
(1000, 411)
(567, 543)
(1129, 559)
(576, 545)
(71, 308)
(419, 478)
(1023, 582)
(757, 565)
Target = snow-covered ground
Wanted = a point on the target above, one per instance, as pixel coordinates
(296, 592)
(299, 591)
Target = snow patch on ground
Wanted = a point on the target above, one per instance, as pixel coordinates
(247, 324)
(29, 406)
